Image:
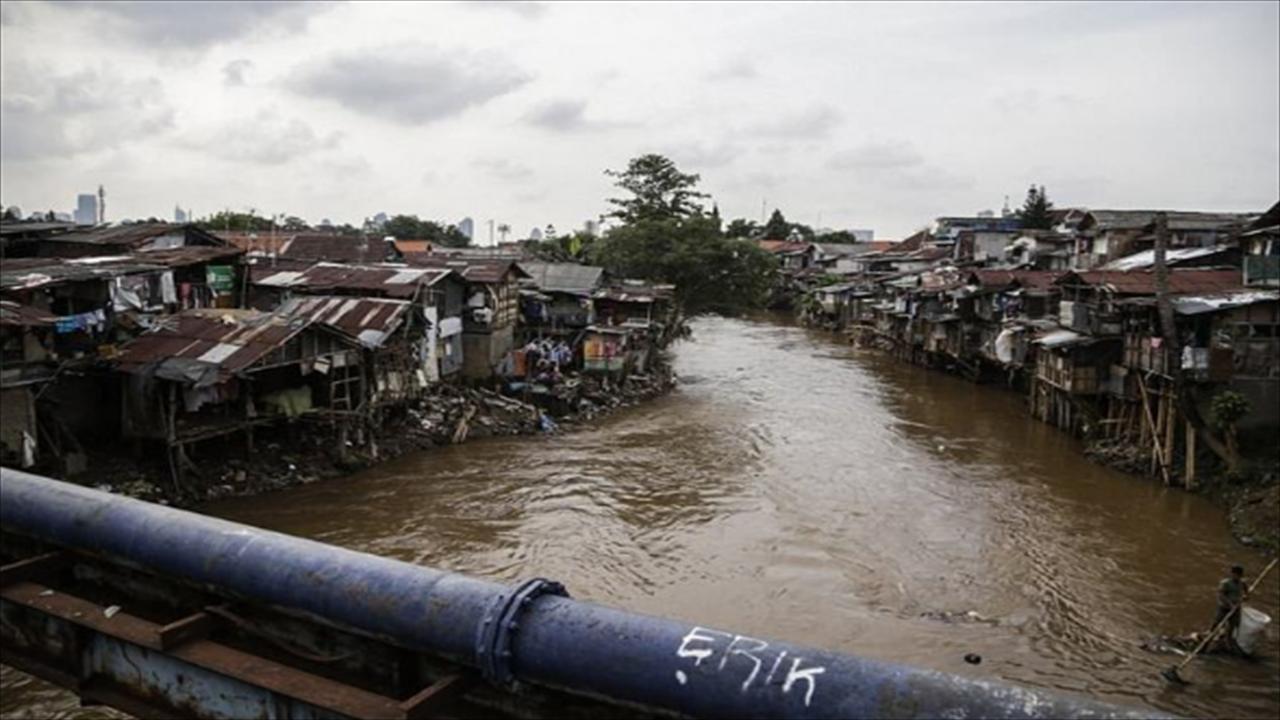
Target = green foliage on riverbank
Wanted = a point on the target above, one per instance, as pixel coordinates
(666, 235)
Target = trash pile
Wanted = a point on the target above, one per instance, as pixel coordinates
(300, 453)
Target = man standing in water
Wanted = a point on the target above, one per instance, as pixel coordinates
(1231, 593)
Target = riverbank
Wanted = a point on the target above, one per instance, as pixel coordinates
(300, 453)
(1250, 500)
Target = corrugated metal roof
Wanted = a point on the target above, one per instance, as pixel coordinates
(369, 320)
(336, 248)
(1176, 219)
(1173, 256)
(189, 255)
(16, 314)
(1143, 282)
(476, 270)
(390, 280)
(231, 339)
(28, 273)
(135, 234)
(563, 277)
(1200, 304)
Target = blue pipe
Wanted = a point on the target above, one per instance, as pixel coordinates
(531, 634)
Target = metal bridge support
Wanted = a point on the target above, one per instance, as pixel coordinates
(218, 619)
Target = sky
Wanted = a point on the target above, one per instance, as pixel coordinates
(865, 115)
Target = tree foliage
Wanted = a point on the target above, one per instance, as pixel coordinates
(231, 221)
(1036, 211)
(777, 228)
(657, 191)
(573, 247)
(410, 227)
(665, 237)
(743, 228)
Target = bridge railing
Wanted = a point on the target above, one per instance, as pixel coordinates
(519, 640)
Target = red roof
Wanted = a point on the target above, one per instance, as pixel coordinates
(1181, 281)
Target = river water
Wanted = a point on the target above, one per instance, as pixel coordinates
(796, 488)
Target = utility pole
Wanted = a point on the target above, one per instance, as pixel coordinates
(491, 243)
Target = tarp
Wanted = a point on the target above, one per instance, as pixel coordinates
(188, 371)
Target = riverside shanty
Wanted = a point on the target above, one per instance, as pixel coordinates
(1072, 317)
(169, 353)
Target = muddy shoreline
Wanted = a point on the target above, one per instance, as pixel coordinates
(299, 453)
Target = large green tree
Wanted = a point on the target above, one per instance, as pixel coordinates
(411, 227)
(665, 236)
(657, 190)
(1036, 212)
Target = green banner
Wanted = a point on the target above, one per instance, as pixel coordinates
(221, 278)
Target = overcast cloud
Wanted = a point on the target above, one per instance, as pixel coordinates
(875, 116)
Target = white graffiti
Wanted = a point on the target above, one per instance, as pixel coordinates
(701, 644)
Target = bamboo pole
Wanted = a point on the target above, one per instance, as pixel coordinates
(1155, 438)
(1170, 436)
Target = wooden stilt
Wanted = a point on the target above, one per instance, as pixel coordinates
(1190, 480)
(1170, 436)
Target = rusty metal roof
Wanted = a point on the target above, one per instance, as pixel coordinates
(476, 270)
(232, 340)
(189, 255)
(15, 314)
(135, 234)
(1143, 282)
(28, 273)
(336, 248)
(396, 281)
(369, 320)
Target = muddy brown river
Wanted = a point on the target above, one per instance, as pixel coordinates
(796, 488)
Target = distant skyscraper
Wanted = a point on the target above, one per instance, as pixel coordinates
(592, 228)
(863, 235)
(380, 219)
(179, 216)
(467, 227)
(86, 209)
(536, 234)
